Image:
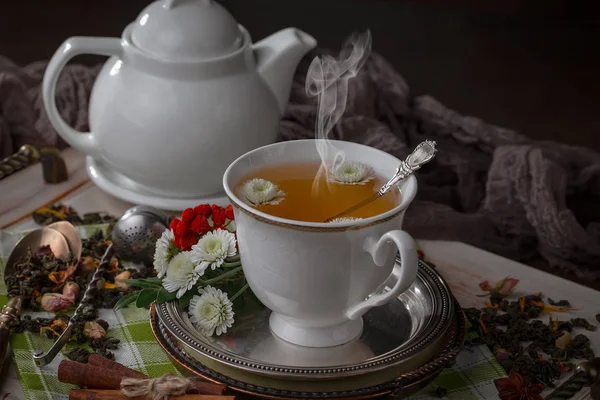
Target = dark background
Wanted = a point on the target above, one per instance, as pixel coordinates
(531, 65)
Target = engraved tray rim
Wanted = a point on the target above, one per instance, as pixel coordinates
(431, 333)
(405, 384)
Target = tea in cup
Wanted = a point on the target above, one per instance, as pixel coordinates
(318, 278)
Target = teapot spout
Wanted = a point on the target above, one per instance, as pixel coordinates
(277, 58)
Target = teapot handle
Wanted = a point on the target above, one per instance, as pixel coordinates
(84, 141)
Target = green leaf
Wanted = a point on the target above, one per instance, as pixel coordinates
(146, 297)
(143, 283)
(126, 300)
(222, 276)
(164, 296)
(158, 281)
(231, 264)
(184, 301)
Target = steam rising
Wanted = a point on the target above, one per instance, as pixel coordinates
(328, 78)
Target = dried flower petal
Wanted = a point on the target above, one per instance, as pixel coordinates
(71, 291)
(93, 330)
(563, 341)
(87, 264)
(506, 286)
(120, 278)
(502, 354)
(514, 387)
(55, 302)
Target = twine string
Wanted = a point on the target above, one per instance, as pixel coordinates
(156, 388)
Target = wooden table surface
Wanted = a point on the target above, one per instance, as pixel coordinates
(463, 266)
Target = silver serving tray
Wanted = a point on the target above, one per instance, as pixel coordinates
(404, 333)
(385, 382)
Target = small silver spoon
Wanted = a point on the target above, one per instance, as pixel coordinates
(421, 155)
(32, 241)
(134, 239)
(72, 236)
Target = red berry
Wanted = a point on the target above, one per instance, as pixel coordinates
(182, 229)
(229, 212)
(188, 241)
(188, 215)
(200, 225)
(174, 223)
(218, 215)
(203, 209)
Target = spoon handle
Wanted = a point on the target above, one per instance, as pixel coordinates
(421, 155)
(25, 156)
(42, 358)
(356, 206)
(8, 317)
(585, 374)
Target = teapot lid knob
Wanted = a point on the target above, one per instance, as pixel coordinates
(186, 30)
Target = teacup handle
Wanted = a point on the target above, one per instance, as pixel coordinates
(407, 271)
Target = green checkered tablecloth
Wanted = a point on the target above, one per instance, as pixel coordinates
(470, 378)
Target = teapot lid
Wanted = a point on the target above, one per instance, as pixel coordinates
(186, 30)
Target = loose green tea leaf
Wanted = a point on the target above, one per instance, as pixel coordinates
(39, 273)
(78, 354)
(59, 212)
(560, 303)
(583, 323)
(537, 351)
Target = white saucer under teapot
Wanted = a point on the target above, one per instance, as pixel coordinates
(183, 94)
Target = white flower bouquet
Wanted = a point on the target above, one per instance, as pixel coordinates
(197, 264)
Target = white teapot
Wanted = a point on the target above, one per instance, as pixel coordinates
(183, 94)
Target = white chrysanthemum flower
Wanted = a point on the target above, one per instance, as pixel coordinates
(211, 312)
(351, 173)
(212, 250)
(344, 219)
(181, 274)
(260, 191)
(162, 253)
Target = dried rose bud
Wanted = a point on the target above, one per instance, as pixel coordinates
(113, 265)
(71, 291)
(93, 330)
(87, 264)
(121, 277)
(55, 302)
(502, 354)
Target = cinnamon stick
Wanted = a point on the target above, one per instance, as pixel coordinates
(207, 388)
(98, 394)
(97, 377)
(87, 375)
(99, 361)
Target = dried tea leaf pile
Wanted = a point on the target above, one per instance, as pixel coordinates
(57, 286)
(532, 351)
(60, 212)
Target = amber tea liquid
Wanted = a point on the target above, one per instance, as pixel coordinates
(301, 203)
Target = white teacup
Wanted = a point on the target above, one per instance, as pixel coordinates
(318, 279)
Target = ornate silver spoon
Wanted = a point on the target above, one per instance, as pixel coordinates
(421, 155)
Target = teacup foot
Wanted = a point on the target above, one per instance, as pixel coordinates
(295, 332)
